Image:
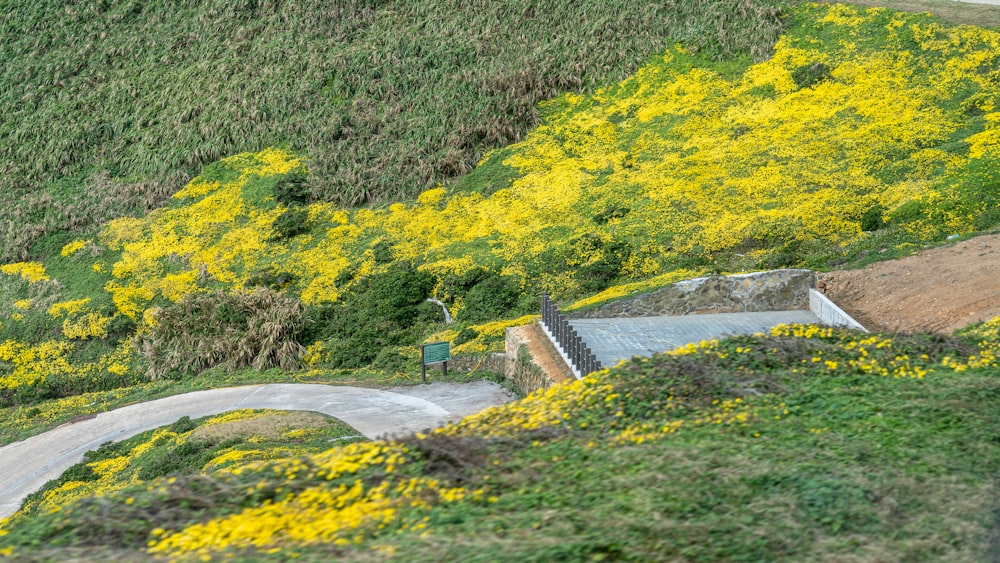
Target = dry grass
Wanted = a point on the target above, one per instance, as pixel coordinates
(269, 426)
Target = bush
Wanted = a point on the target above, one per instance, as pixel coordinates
(809, 75)
(490, 299)
(874, 218)
(270, 278)
(294, 221)
(293, 190)
(231, 330)
(379, 312)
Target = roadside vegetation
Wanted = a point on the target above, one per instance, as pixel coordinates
(859, 134)
(805, 443)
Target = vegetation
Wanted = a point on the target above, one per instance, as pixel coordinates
(113, 106)
(825, 154)
(864, 133)
(804, 443)
(183, 448)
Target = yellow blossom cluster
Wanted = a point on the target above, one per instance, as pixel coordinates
(91, 325)
(875, 354)
(73, 247)
(347, 510)
(30, 364)
(30, 271)
(342, 514)
(735, 413)
(68, 307)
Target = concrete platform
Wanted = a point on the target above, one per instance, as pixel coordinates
(613, 340)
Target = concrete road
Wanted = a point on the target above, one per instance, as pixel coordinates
(27, 465)
(614, 340)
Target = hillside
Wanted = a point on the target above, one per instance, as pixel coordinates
(112, 106)
(867, 134)
(937, 290)
(805, 444)
(817, 157)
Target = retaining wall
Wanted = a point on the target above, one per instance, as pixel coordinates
(775, 290)
(515, 364)
(830, 313)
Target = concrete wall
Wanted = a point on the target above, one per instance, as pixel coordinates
(775, 290)
(830, 313)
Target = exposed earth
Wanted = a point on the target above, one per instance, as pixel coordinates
(937, 290)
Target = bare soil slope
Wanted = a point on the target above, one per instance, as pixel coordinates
(938, 290)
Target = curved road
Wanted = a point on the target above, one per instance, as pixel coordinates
(27, 465)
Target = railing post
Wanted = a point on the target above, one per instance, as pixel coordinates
(580, 355)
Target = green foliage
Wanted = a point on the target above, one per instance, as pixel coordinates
(492, 297)
(378, 313)
(187, 458)
(382, 252)
(230, 330)
(811, 74)
(293, 221)
(115, 105)
(598, 272)
(293, 190)
(874, 218)
(271, 278)
(465, 335)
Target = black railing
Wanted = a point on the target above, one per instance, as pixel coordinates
(583, 360)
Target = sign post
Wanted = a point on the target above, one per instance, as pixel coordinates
(434, 353)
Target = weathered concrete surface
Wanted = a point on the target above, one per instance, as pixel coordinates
(613, 340)
(775, 290)
(829, 313)
(27, 465)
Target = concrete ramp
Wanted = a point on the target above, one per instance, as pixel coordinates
(614, 340)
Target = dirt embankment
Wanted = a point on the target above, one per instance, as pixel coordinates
(938, 290)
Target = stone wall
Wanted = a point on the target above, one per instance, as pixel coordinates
(775, 290)
(515, 364)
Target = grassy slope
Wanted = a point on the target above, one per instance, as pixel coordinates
(112, 106)
(792, 446)
(856, 476)
(827, 151)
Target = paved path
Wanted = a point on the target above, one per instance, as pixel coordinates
(613, 340)
(27, 465)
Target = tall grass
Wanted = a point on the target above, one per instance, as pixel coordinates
(111, 106)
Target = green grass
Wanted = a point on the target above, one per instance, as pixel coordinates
(113, 106)
(24, 421)
(188, 447)
(830, 464)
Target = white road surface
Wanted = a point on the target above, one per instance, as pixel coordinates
(27, 465)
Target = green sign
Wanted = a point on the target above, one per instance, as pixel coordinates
(436, 353)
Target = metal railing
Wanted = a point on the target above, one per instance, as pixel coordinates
(573, 347)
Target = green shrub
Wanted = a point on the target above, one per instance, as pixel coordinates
(293, 221)
(379, 312)
(271, 278)
(598, 274)
(293, 190)
(465, 335)
(809, 75)
(491, 298)
(186, 458)
(874, 218)
(232, 330)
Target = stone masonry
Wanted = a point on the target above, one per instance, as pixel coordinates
(775, 290)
